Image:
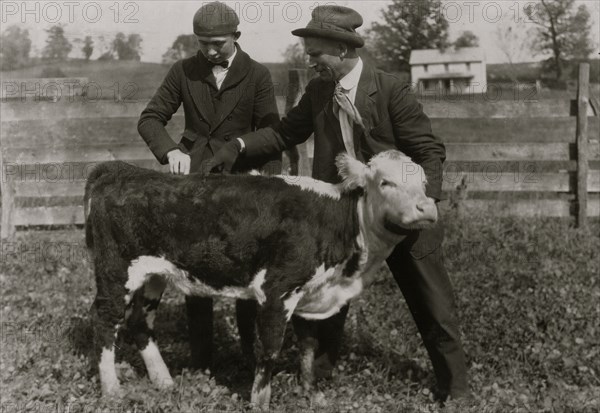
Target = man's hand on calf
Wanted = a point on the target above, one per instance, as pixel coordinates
(224, 159)
(179, 162)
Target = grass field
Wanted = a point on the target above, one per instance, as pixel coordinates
(139, 80)
(527, 293)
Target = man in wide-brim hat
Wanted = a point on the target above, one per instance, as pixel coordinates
(354, 108)
(224, 94)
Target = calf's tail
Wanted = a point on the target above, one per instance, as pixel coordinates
(97, 172)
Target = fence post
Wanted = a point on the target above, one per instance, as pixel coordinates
(582, 144)
(7, 188)
(298, 79)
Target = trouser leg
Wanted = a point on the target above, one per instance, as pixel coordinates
(245, 311)
(200, 326)
(330, 333)
(307, 334)
(428, 292)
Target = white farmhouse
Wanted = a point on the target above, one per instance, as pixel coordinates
(457, 71)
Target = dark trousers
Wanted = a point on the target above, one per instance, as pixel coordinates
(200, 328)
(418, 267)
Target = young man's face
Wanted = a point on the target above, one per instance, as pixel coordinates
(324, 57)
(217, 48)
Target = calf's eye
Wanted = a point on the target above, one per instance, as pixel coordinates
(385, 182)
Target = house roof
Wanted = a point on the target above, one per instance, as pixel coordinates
(449, 75)
(450, 55)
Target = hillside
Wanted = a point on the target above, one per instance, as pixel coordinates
(528, 72)
(145, 76)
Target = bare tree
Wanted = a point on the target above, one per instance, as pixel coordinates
(562, 31)
(88, 47)
(295, 57)
(514, 40)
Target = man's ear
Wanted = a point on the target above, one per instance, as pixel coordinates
(236, 35)
(343, 50)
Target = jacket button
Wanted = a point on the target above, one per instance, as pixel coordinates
(229, 117)
(226, 138)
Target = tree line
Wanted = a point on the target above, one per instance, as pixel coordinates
(15, 47)
(560, 31)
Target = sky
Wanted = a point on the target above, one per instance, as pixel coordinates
(265, 25)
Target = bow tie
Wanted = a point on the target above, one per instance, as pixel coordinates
(224, 64)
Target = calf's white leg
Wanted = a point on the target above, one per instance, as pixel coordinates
(144, 302)
(157, 369)
(108, 374)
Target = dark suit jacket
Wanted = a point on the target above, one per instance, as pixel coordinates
(245, 102)
(393, 120)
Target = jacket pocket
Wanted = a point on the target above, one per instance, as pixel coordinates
(382, 131)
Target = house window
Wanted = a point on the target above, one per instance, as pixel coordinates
(425, 68)
(468, 66)
(429, 85)
(446, 67)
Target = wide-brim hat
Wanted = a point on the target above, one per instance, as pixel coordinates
(334, 23)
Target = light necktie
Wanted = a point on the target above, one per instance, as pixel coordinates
(342, 101)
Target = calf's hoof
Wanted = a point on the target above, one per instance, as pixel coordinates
(317, 400)
(260, 398)
(163, 383)
(111, 391)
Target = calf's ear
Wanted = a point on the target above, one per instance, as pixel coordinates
(354, 173)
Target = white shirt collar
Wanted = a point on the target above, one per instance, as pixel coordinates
(230, 60)
(350, 81)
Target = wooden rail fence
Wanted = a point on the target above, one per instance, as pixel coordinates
(511, 157)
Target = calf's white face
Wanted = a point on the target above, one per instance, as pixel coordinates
(394, 186)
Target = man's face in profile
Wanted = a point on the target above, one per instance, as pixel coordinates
(323, 57)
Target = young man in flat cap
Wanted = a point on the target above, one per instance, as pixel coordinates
(354, 108)
(225, 94)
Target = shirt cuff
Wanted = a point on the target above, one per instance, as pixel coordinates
(242, 144)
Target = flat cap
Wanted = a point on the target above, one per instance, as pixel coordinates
(215, 19)
(335, 23)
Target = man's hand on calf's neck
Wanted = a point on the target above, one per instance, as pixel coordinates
(225, 158)
(179, 162)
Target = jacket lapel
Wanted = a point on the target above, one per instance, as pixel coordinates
(200, 88)
(364, 102)
(230, 94)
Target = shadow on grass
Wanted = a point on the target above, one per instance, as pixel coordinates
(392, 363)
(230, 368)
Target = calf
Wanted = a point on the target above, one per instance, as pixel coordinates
(293, 244)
